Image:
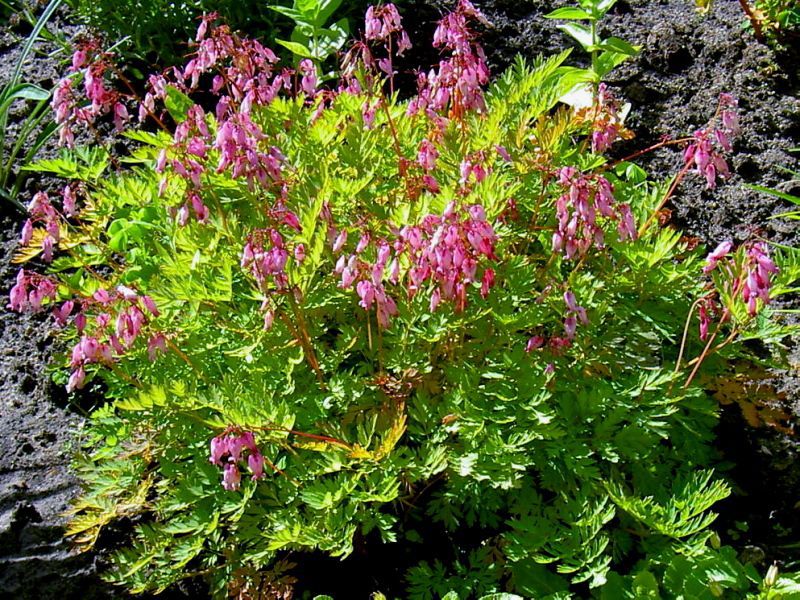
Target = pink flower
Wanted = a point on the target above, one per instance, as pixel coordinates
(255, 463)
(534, 343)
(577, 211)
(758, 270)
(76, 379)
(157, 344)
(308, 82)
(487, 282)
(503, 153)
(30, 291)
(148, 303)
(457, 82)
(427, 155)
(62, 313)
(229, 448)
(219, 447)
(27, 233)
(69, 201)
(607, 122)
(120, 116)
(721, 251)
(381, 22)
(340, 241)
(269, 319)
(231, 477)
(705, 152)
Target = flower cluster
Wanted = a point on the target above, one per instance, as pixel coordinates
(752, 281)
(107, 339)
(704, 154)
(458, 81)
(29, 291)
(575, 314)
(587, 197)
(446, 250)
(121, 315)
(42, 211)
(443, 250)
(382, 22)
(94, 64)
(758, 269)
(243, 77)
(368, 276)
(232, 447)
(243, 68)
(265, 255)
(383, 26)
(607, 124)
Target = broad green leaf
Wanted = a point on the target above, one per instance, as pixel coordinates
(580, 33)
(296, 49)
(620, 46)
(569, 12)
(177, 103)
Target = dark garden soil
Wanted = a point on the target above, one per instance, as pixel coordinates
(687, 60)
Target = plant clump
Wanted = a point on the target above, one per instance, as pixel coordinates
(327, 318)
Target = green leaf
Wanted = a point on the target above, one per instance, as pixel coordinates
(608, 61)
(177, 103)
(605, 5)
(26, 91)
(296, 49)
(615, 44)
(296, 15)
(569, 12)
(776, 193)
(580, 33)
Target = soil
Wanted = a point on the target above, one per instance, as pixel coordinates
(687, 59)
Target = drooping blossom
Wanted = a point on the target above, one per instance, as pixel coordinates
(705, 153)
(607, 125)
(30, 290)
(455, 87)
(575, 313)
(308, 77)
(587, 198)
(427, 155)
(69, 201)
(758, 269)
(534, 343)
(231, 448)
(706, 310)
(70, 111)
(231, 477)
(157, 344)
(718, 254)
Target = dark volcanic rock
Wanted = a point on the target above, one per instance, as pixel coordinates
(37, 436)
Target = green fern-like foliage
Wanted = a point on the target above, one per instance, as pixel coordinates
(586, 470)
